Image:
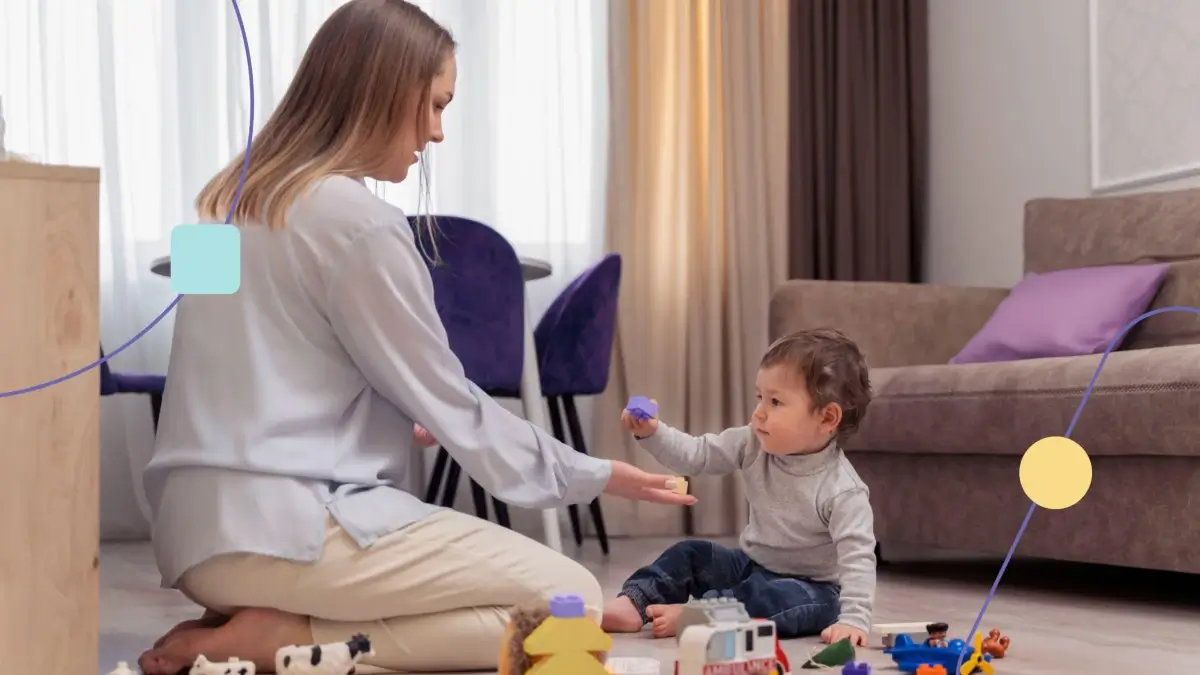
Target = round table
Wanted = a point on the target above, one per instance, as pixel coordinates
(531, 380)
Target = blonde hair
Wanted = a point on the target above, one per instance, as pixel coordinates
(368, 71)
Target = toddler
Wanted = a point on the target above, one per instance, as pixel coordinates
(806, 559)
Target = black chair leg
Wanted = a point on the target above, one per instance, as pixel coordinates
(435, 479)
(155, 408)
(577, 436)
(501, 510)
(480, 499)
(556, 426)
(451, 490)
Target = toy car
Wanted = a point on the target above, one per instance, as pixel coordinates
(717, 637)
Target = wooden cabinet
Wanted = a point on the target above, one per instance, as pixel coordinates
(49, 437)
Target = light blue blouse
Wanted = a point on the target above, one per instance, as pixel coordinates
(296, 396)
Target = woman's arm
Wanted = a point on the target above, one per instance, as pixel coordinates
(381, 307)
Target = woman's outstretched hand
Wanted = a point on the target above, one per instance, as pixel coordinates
(630, 482)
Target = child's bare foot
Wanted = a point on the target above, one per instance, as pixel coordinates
(663, 619)
(620, 616)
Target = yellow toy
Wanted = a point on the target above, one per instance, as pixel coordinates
(976, 662)
(562, 640)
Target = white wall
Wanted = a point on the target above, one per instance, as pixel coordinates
(1009, 121)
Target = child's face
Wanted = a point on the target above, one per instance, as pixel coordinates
(784, 420)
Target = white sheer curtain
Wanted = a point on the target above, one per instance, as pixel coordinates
(156, 94)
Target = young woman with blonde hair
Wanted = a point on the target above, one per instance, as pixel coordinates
(288, 419)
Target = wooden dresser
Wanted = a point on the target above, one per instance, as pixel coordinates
(49, 438)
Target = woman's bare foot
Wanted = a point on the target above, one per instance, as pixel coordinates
(210, 619)
(620, 616)
(250, 635)
(663, 619)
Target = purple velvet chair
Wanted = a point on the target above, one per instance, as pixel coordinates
(112, 383)
(574, 340)
(479, 292)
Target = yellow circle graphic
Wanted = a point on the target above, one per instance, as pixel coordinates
(1056, 472)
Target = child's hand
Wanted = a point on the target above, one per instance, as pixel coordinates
(422, 438)
(840, 631)
(637, 427)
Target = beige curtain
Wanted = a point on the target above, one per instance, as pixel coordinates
(697, 208)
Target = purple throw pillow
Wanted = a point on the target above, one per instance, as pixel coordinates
(1064, 313)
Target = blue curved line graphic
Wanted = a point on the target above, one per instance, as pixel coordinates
(237, 195)
(1070, 428)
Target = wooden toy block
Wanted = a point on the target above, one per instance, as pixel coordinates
(681, 485)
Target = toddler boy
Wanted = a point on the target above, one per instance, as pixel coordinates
(806, 558)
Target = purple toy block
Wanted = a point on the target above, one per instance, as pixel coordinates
(567, 607)
(642, 408)
(853, 668)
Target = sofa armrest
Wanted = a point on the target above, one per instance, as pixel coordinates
(895, 324)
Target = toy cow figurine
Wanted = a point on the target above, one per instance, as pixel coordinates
(202, 666)
(336, 658)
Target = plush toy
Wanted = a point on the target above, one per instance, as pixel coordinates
(335, 658)
(522, 622)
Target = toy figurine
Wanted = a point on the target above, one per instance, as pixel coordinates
(937, 634)
(335, 658)
(234, 666)
(996, 644)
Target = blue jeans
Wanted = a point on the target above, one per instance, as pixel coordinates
(700, 569)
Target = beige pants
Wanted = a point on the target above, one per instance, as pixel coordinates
(432, 597)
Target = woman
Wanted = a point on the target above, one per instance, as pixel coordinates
(290, 410)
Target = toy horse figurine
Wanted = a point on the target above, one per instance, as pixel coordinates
(996, 644)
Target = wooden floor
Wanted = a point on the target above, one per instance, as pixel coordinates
(1063, 619)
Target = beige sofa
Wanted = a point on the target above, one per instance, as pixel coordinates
(941, 444)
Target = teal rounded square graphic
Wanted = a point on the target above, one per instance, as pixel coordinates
(206, 259)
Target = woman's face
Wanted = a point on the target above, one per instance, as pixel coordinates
(410, 145)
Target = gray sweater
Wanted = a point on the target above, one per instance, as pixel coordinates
(810, 515)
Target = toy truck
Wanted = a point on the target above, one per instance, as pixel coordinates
(717, 637)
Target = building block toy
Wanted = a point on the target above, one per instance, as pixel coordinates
(853, 668)
(681, 485)
(836, 654)
(931, 670)
(234, 666)
(717, 636)
(567, 642)
(909, 656)
(642, 408)
(887, 632)
(632, 665)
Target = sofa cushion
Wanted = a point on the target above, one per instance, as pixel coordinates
(1064, 313)
(1145, 402)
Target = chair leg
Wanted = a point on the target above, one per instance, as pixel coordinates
(156, 399)
(480, 499)
(577, 436)
(451, 490)
(556, 426)
(435, 479)
(501, 510)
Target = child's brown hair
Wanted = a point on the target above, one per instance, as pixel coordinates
(833, 369)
